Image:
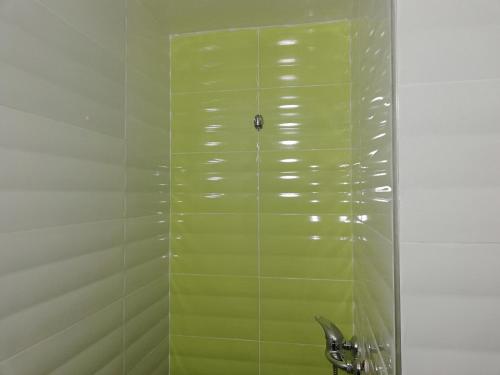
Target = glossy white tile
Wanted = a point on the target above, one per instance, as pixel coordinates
(48, 356)
(449, 108)
(448, 94)
(450, 316)
(471, 155)
(24, 250)
(103, 23)
(416, 14)
(457, 362)
(451, 269)
(436, 53)
(454, 214)
(47, 316)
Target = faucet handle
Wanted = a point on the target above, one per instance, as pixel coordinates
(335, 347)
(334, 337)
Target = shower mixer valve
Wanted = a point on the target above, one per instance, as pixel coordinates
(337, 346)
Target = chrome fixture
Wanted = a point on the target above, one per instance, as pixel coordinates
(258, 122)
(337, 347)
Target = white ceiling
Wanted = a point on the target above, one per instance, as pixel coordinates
(200, 15)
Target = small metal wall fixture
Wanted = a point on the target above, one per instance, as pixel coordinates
(337, 348)
(258, 122)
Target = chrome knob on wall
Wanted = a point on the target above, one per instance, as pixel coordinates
(337, 346)
(258, 122)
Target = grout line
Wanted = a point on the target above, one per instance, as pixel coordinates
(336, 84)
(263, 151)
(170, 210)
(58, 122)
(248, 340)
(353, 222)
(54, 227)
(257, 28)
(189, 213)
(125, 200)
(282, 278)
(448, 243)
(259, 301)
(444, 83)
(212, 152)
(50, 154)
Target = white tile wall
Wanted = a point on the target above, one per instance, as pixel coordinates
(449, 138)
(83, 175)
(374, 294)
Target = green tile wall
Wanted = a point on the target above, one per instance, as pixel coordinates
(261, 221)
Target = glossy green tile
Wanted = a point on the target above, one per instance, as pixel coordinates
(304, 184)
(305, 55)
(306, 246)
(207, 356)
(221, 244)
(304, 118)
(212, 122)
(214, 306)
(293, 359)
(300, 182)
(214, 183)
(225, 60)
(288, 307)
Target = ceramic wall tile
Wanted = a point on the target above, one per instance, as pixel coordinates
(305, 246)
(204, 122)
(293, 359)
(218, 244)
(225, 60)
(214, 182)
(305, 118)
(225, 357)
(305, 55)
(309, 182)
(449, 107)
(288, 308)
(95, 330)
(215, 306)
(154, 362)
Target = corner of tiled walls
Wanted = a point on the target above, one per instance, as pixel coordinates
(449, 149)
(83, 225)
(373, 181)
(261, 236)
(146, 311)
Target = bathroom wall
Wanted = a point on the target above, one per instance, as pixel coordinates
(373, 184)
(82, 233)
(261, 230)
(449, 146)
(147, 189)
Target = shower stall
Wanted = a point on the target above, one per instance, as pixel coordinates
(185, 185)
